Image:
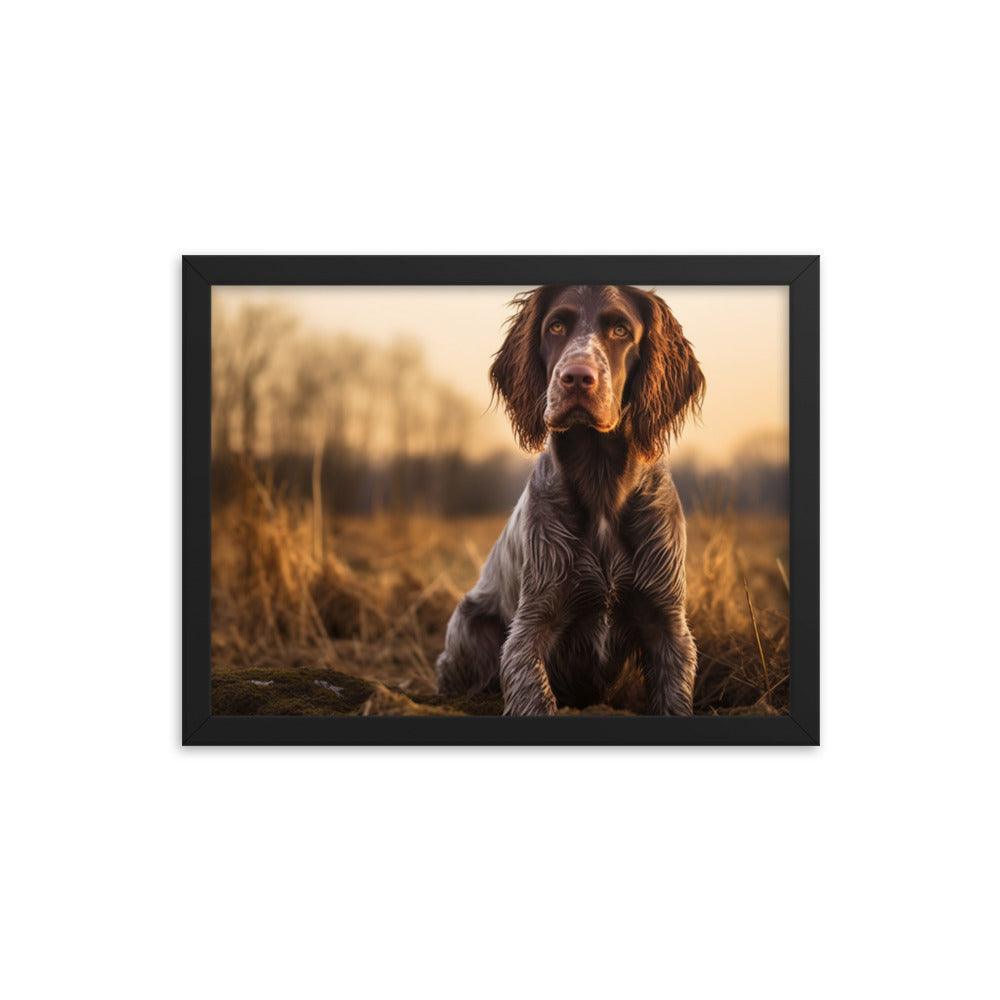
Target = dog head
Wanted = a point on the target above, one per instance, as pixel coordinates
(602, 356)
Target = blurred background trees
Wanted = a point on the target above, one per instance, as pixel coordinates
(352, 427)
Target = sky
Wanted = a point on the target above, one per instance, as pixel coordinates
(739, 334)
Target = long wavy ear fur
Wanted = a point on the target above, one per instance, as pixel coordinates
(668, 384)
(517, 373)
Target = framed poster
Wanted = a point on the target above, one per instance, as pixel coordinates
(501, 500)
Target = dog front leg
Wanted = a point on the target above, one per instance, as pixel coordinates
(669, 665)
(524, 680)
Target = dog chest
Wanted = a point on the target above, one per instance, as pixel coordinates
(602, 568)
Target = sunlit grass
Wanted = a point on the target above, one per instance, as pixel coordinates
(355, 626)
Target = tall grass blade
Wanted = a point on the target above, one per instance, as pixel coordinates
(756, 632)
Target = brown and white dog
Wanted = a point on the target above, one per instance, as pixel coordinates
(587, 576)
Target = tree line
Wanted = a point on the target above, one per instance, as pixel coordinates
(356, 427)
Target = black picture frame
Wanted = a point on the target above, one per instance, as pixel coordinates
(800, 273)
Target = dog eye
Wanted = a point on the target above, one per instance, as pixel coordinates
(557, 327)
(619, 330)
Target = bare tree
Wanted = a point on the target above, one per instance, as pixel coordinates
(243, 348)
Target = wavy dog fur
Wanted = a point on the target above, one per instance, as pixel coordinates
(587, 577)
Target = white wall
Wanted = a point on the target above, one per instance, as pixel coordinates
(133, 868)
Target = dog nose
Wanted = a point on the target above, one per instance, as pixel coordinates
(578, 377)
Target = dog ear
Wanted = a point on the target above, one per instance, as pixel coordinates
(668, 383)
(517, 373)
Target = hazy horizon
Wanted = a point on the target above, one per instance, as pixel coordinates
(739, 333)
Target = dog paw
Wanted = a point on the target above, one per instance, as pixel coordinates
(542, 703)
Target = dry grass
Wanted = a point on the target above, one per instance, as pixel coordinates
(356, 629)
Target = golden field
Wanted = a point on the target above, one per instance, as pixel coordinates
(348, 617)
